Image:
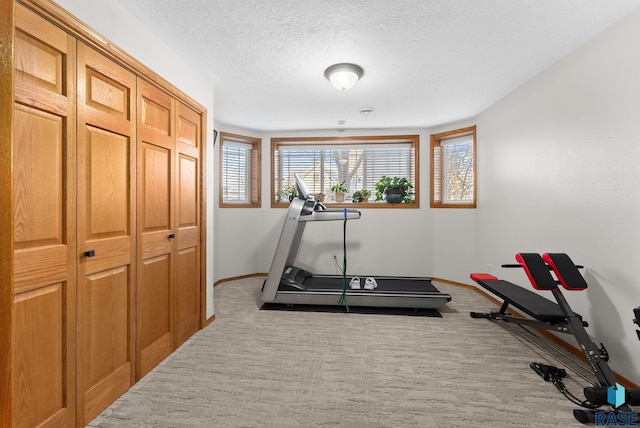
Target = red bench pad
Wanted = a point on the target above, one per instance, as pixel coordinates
(483, 277)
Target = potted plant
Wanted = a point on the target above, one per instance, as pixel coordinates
(394, 190)
(361, 195)
(288, 193)
(319, 196)
(339, 189)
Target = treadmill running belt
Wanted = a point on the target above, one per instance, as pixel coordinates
(398, 285)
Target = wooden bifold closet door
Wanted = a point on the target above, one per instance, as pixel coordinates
(168, 287)
(156, 255)
(44, 351)
(188, 222)
(106, 231)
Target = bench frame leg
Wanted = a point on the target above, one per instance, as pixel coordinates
(503, 315)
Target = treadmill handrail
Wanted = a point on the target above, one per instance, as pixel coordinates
(331, 214)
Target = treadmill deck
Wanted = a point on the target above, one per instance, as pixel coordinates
(392, 292)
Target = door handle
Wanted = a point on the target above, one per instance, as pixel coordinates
(172, 236)
(90, 253)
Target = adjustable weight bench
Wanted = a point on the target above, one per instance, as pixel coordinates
(557, 316)
(545, 313)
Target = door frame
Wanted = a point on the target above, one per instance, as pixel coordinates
(6, 212)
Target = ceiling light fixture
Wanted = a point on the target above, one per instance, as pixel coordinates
(343, 76)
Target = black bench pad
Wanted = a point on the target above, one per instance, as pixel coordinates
(527, 301)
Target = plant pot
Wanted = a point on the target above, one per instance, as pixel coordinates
(394, 195)
(339, 197)
(365, 199)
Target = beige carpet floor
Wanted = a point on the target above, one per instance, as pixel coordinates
(255, 368)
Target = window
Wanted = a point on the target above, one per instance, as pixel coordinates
(239, 171)
(453, 169)
(359, 162)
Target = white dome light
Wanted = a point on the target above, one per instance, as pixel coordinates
(343, 76)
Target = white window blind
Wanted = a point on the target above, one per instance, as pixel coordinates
(236, 172)
(360, 166)
(437, 173)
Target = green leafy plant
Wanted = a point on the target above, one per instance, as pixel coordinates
(394, 185)
(361, 195)
(339, 188)
(288, 193)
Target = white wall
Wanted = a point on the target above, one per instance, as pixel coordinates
(382, 242)
(110, 19)
(558, 172)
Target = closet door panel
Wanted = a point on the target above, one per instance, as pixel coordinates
(188, 146)
(155, 287)
(154, 341)
(44, 60)
(44, 363)
(106, 231)
(40, 354)
(188, 295)
(39, 183)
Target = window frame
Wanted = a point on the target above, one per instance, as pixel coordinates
(437, 176)
(413, 140)
(255, 161)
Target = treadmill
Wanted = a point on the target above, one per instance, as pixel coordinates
(291, 285)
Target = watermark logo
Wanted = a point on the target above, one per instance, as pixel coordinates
(615, 395)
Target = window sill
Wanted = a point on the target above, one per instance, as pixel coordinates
(435, 205)
(228, 205)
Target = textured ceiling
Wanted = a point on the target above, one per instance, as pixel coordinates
(426, 62)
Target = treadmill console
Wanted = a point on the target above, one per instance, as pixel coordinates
(319, 206)
(308, 207)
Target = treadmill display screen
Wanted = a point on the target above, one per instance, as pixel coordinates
(303, 189)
